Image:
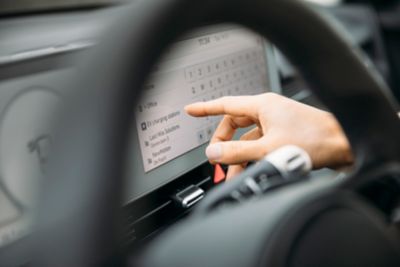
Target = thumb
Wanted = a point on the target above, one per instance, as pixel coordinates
(236, 152)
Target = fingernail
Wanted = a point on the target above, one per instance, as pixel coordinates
(214, 151)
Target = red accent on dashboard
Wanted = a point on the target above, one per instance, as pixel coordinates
(219, 174)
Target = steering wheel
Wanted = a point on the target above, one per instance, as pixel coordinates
(78, 219)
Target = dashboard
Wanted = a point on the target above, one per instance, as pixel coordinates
(36, 58)
(166, 152)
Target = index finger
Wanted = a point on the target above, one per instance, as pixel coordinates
(242, 106)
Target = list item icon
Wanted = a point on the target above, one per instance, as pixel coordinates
(144, 126)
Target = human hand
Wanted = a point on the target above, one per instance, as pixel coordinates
(279, 121)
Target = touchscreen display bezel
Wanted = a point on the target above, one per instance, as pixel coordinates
(146, 182)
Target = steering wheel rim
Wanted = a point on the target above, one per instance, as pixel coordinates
(100, 116)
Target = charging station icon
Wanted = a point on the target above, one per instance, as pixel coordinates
(143, 126)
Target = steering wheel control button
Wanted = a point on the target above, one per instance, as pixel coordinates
(189, 196)
(290, 161)
(24, 142)
(285, 165)
(263, 181)
(219, 174)
(252, 185)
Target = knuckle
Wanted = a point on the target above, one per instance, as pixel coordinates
(224, 100)
(232, 122)
(270, 96)
(227, 98)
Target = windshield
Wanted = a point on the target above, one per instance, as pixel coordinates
(17, 6)
(22, 6)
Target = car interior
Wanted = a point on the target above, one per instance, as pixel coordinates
(101, 166)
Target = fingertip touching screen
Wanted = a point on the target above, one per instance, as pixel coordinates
(210, 63)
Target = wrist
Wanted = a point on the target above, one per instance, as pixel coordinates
(337, 146)
(344, 154)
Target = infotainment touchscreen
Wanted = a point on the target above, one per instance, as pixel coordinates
(208, 64)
